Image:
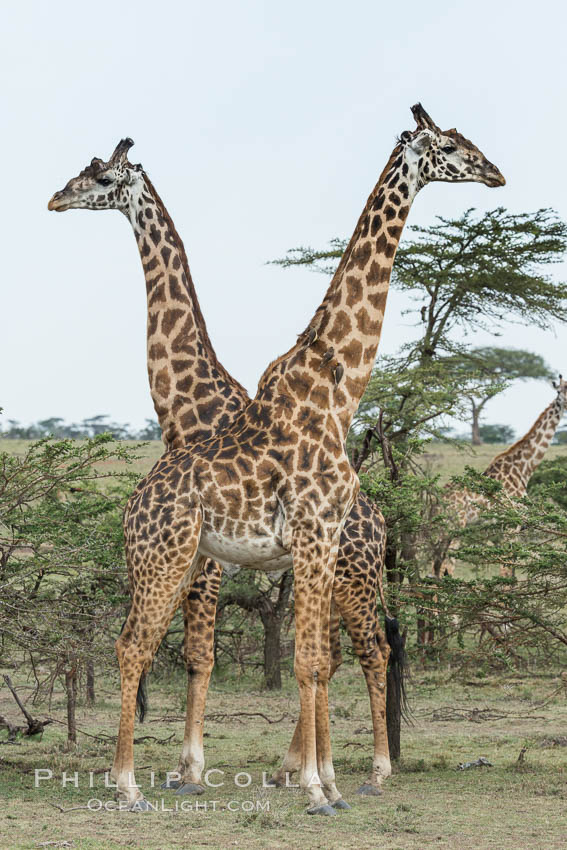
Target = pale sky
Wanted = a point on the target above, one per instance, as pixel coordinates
(263, 126)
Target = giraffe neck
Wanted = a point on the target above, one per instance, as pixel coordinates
(193, 394)
(332, 361)
(515, 466)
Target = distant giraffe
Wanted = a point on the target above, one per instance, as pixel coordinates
(276, 486)
(513, 468)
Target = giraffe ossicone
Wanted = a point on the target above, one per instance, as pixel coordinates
(275, 487)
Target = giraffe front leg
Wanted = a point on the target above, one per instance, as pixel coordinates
(199, 611)
(157, 590)
(292, 759)
(132, 661)
(330, 660)
(313, 564)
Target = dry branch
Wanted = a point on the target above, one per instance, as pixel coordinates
(34, 727)
(173, 718)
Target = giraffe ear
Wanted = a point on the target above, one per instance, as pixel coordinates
(421, 142)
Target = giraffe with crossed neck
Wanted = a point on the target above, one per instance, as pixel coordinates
(275, 487)
(513, 468)
(195, 398)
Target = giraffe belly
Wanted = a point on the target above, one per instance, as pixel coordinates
(257, 553)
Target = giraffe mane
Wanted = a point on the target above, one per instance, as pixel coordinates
(199, 319)
(339, 270)
(511, 449)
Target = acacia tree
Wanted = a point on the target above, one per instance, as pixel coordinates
(494, 433)
(62, 576)
(471, 273)
(496, 368)
(269, 597)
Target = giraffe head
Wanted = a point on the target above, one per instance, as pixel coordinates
(111, 185)
(561, 387)
(445, 155)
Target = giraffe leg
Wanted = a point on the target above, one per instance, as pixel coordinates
(291, 762)
(314, 564)
(373, 651)
(292, 759)
(324, 754)
(199, 611)
(157, 593)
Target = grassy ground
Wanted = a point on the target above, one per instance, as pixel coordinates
(448, 460)
(148, 452)
(427, 803)
(440, 458)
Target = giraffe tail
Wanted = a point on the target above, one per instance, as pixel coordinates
(142, 693)
(398, 663)
(142, 699)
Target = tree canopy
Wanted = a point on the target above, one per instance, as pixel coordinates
(472, 272)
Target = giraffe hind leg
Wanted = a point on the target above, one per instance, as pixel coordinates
(361, 621)
(199, 611)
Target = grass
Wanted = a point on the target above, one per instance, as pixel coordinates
(448, 460)
(148, 453)
(427, 803)
(439, 457)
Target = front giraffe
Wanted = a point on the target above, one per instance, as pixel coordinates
(276, 485)
(195, 398)
(513, 468)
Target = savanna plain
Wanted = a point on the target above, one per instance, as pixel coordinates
(516, 720)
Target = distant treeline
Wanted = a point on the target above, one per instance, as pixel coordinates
(57, 427)
(94, 425)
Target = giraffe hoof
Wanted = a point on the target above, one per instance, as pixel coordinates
(274, 783)
(141, 806)
(171, 784)
(368, 790)
(322, 810)
(341, 805)
(189, 788)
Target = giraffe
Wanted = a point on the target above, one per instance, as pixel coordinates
(194, 398)
(275, 487)
(513, 468)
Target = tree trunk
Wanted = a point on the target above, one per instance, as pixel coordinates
(272, 652)
(476, 439)
(272, 616)
(71, 688)
(90, 684)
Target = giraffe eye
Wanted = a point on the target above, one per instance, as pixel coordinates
(104, 181)
(448, 149)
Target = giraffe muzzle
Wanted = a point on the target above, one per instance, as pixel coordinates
(494, 178)
(58, 202)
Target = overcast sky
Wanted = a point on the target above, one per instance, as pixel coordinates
(263, 126)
